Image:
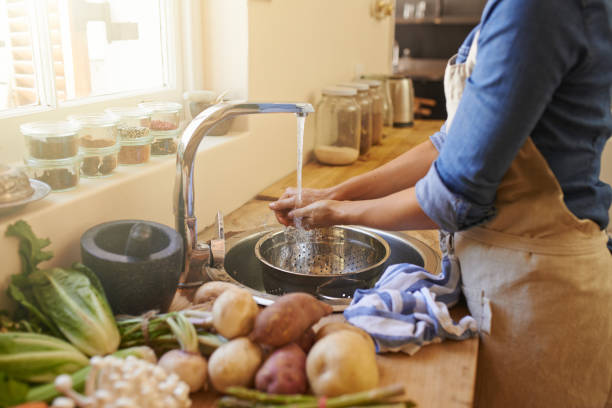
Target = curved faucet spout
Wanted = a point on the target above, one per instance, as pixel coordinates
(191, 138)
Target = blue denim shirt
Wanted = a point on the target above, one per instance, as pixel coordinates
(544, 69)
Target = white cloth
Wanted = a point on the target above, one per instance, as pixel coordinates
(408, 308)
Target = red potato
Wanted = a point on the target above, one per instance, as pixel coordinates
(286, 320)
(284, 372)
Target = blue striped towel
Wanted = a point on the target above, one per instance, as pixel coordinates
(408, 308)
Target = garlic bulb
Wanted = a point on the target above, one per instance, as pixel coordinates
(124, 383)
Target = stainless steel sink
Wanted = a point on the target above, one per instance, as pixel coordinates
(243, 268)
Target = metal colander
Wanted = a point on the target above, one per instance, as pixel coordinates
(338, 250)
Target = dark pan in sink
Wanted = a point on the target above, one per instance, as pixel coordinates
(242, 267)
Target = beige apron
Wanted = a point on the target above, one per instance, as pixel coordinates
(539, 282)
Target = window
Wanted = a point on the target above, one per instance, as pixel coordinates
(58, 56)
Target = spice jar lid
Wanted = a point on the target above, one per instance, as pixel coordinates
(160, 106)
(54, 129)
(339, 91)
(129, 112)
(100, 151)
(44, 164)
(373, 83)
(165, 134)
(140, 141)
(14, 184)
(357, 85)
(95, 119)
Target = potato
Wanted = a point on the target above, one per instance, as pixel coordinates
(287, 319)
(234, 313)
(341, 362)
(284, 372)
(210, 291)
(234, 363)
(306, 340)
(337, 326)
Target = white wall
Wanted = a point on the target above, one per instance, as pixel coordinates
(296, 48)
(287, 50)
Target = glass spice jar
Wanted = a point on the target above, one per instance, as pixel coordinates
(386, 94)
(165, 116)
(134, 134)
(99, 145)
(59, 174)
(165, 122)
(135, 152)
(377, 109)
(164, 144)
(338, 124)
(99, 162)
(96, 130)
(51, 140)
(365, 103)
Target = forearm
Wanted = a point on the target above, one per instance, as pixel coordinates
(398, 211)
(399, 174)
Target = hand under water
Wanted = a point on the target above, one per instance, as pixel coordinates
(316, 208)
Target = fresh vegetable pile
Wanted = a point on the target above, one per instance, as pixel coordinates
(62, 318)
(63, 344)
(277, 351)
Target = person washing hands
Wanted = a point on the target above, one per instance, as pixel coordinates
(512, 182)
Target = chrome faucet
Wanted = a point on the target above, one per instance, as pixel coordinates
(186, 224)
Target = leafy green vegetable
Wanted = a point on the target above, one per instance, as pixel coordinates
(8, 324)
(30, 246)
(36, 357)
(31, 254)
(68, 303)
(12, 392)
(79, 310)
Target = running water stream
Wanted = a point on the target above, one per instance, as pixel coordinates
(300, 149)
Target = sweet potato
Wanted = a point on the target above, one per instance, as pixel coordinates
(306, 340)
(284, 372)
(288, 318)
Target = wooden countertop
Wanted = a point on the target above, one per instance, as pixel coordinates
(438, 375)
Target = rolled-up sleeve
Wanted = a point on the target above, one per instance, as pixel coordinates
(438, 138)
(451, 211)
(512, 82)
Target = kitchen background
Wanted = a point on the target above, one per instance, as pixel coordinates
(270, 50)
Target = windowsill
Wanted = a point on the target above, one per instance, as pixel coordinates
(132, 177)
(223, 180)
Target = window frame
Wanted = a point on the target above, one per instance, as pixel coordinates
(179, 21)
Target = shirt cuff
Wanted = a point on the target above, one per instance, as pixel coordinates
(439, 138)
(452, 212)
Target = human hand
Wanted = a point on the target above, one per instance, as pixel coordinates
(322, 213)
(288, 202)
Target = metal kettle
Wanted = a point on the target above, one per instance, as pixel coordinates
(402, 95)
